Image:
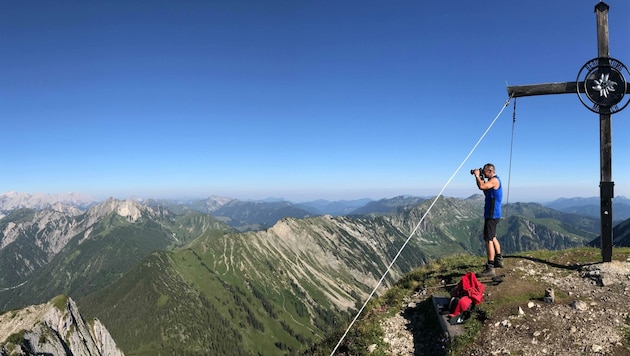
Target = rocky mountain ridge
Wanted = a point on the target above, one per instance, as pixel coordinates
(54, 328)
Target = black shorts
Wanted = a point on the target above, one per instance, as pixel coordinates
(490, 229)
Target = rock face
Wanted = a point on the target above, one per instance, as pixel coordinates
(54, 328)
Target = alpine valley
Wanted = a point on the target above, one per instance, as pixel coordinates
(186, 278)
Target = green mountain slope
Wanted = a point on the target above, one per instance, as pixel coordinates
(281, 289)
(153, 311)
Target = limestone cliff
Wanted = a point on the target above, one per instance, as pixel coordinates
(54, 328)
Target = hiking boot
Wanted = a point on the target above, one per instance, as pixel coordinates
(498, 261)
(487, 272)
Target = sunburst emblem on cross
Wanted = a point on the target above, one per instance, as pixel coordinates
(604, 85)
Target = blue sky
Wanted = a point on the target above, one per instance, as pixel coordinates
(300, 99)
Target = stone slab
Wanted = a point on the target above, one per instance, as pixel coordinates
(440, 304)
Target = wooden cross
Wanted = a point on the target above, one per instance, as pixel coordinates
(604, 86)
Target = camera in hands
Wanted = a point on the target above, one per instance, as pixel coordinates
(472, 171)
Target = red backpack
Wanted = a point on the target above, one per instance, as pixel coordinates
(467, 294)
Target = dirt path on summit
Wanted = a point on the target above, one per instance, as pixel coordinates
(588, 315)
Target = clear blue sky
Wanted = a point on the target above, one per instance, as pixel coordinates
(300, 99)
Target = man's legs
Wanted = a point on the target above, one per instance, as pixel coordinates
(489, 236)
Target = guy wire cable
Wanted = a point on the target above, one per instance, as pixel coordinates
(507, 201)
(417, 226)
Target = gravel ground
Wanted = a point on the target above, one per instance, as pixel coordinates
(589, 314)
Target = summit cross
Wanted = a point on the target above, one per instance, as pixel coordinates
(601, 82)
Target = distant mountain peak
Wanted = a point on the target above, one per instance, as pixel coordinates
(129, 208)
(64, 208)
(475, 197)
(214, 202)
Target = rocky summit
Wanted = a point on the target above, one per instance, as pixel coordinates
(586, 312)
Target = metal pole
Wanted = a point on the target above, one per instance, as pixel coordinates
(605, 140)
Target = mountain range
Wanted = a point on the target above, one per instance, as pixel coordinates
(260, 214)
(169, 278)
(591, 207)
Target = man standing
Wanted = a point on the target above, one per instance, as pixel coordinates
(493, 192)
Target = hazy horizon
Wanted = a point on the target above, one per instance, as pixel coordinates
(78, 195)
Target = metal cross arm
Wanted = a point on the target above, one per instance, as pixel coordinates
(549, 88)
(542, 89)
